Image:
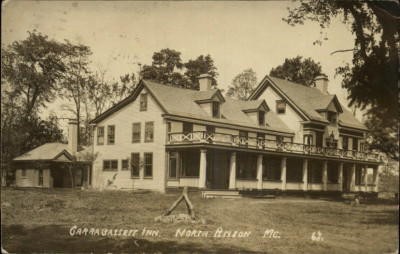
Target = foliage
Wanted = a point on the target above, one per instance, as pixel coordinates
(33, 67)
(297, 70)
(21, 134)
(120, 90)
(74, 82)
(243, 85)
(371, 79)
(167, 68)
(201, 65)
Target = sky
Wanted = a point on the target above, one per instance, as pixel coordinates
(238, 35)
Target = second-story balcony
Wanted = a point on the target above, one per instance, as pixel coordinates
(203, 137)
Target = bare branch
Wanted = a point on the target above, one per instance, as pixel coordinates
(341, 51)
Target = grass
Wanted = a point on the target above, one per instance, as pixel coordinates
(40, 220)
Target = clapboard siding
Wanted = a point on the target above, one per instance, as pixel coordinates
(123, 147)
(31, 179)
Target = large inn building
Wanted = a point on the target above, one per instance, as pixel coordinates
(284, 137)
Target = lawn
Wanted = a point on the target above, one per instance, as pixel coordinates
(41, 221)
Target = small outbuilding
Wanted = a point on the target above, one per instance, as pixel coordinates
(55, 164)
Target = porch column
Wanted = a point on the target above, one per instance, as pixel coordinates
(365, 169)
(353, 177)
(232, 172)
(305, 174)
(203, 168)
(325, 176)
(376, 177)
(283, 173)
(340, 180)
(259, 172)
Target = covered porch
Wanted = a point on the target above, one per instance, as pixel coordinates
(222, 169)
(52, 174)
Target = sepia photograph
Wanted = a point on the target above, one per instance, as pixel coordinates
(200, 126)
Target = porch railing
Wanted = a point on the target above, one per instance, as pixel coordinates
(203, 137)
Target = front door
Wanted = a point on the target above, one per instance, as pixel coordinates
(346, 178)
(218, 169)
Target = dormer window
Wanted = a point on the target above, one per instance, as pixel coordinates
(261, 118)
(280, 107)
(215, 109)
(331, 117)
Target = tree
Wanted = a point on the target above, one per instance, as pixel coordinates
(74, 83)
(33, 68)
(243, 85)
(167, 68)
(98, 92)
(297, 70)
(120, 90)
(164, 68)
(371, 79)
(201, 65)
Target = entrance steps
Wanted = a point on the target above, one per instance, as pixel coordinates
(220, 194)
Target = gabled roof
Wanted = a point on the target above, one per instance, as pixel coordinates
(204, 96)
(184, 103)
(49, 152)
(254, 105)
(307, 100)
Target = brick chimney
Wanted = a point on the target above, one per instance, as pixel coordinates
(205, 82)
(73, 136)
(321, 83)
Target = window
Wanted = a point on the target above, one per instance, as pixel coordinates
(135, 164)
(345, 143)
(173, 165)
(331, 117)
(215, 109)
(148, 131)
(40, 177)
(111, 134)
(272, 168)
(318, 139)
(315, 171)
(355, 144)
(23, 173)
(308, 139)
(243, 136)
(125, 165)
(143, 102)
(110, 165)
(261, 118)
(187, 128)
(148, 164)
(294, 170)
(246, 166)
(333, 172)
(359, 173)
(363, 147)
(280, 107)
(100, 135)
(190, 163)
(136, 132)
